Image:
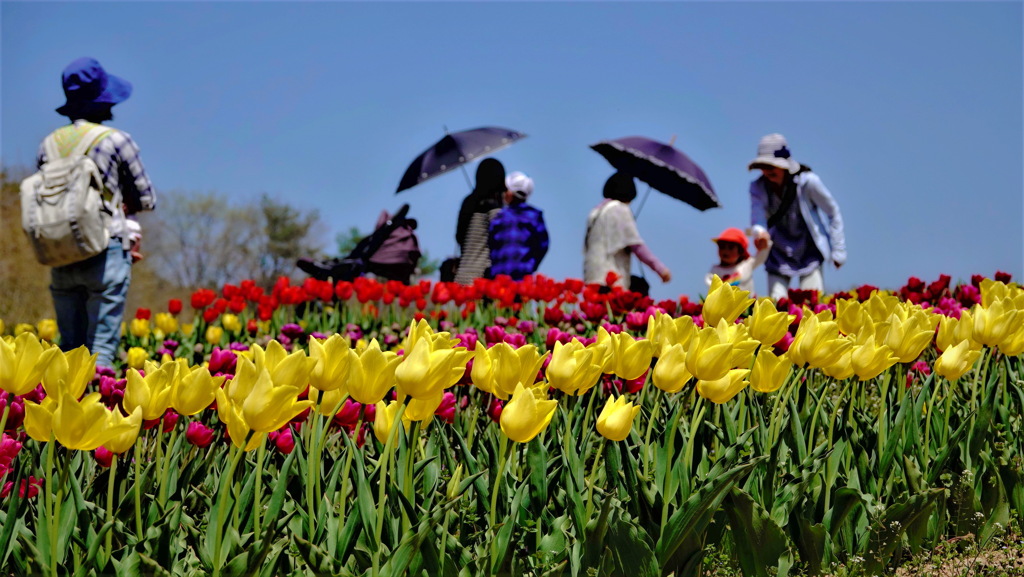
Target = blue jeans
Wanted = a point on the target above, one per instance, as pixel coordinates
(89, 297)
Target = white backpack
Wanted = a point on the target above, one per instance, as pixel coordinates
(62, 209)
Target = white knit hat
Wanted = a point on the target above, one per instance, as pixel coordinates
(773, 151)
(520, 184)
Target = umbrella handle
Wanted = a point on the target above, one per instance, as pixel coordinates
(466, 174)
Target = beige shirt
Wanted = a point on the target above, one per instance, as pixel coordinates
(611, 230)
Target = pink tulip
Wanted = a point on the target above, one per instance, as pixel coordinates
(103, 456)
(446, 410)
(199, 434)
(283, 440)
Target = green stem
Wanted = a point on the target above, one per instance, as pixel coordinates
(257, 499)
(226, 481)
(655, 415)
(165, 466)
(138, 488)
(502, 450)
(7, 409)
(592, 478)
(49, 500)
(108, 540)
(312, 465)
(382, 482)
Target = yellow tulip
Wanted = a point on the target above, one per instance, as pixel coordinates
(842, 368)
(214, 334)
(663, 331)
(3, 327)
(286, 369)
(187, 329)
(424, 372)
(630, 357)
(137, 357)
(881, 305)
(908, 337)
(332, 357)
(1013, 344)
(722, 390)
(22, 365)
(39, 419)
(371, 373)
(767, 324)
(851, 316)
(139, 328)
(151, 392)
(770, 371)
(86, 425)
(869, 359)
(670, 374)
(604, 350)
(992, 291)
(500, 368)
(195, 390)
(231, 323)
(743, 347)
(47, 329)
(270, 406)
(71, 371)
(122, 442)
(385, 420)
(166, 323)
(953, 330)
(724, 301)
(708, 358)
(21, 328)
(527, 414)
(421, 409)
(573, 368)
(817, 343)
(992, 324)
(616, 418)
(330, 401)
(955, 361)
(230, 413)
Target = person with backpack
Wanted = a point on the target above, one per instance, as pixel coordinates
(518, 237)
(89, 280)
(472, 231)
(791, 206)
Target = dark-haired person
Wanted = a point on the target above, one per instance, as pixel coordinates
(612, 237)
(89, 295)
(473, 227)
(790, 205)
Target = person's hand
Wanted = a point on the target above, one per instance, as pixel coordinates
(837, 263)
(136, 250)
(761, 242)
(666, 275)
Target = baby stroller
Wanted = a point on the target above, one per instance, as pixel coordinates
(391, 252)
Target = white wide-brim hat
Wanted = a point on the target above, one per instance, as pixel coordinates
(773, 151)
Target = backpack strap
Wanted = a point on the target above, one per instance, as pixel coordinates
(58, 143)
(89, 139)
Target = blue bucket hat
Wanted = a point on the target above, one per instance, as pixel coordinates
(87, 84)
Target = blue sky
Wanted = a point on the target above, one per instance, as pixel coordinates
(910, 112)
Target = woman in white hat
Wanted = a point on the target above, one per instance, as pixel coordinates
(790, 205)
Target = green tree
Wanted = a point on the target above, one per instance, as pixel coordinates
(288, 237)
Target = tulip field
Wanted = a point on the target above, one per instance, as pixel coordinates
(537, 428)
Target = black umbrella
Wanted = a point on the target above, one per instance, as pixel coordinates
(455, 150)
(663, 167)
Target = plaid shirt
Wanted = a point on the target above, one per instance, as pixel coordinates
(518, 241)
(117, 157)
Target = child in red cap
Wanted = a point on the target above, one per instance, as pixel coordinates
(735, 266)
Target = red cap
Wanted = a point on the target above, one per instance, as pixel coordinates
(737, 236)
